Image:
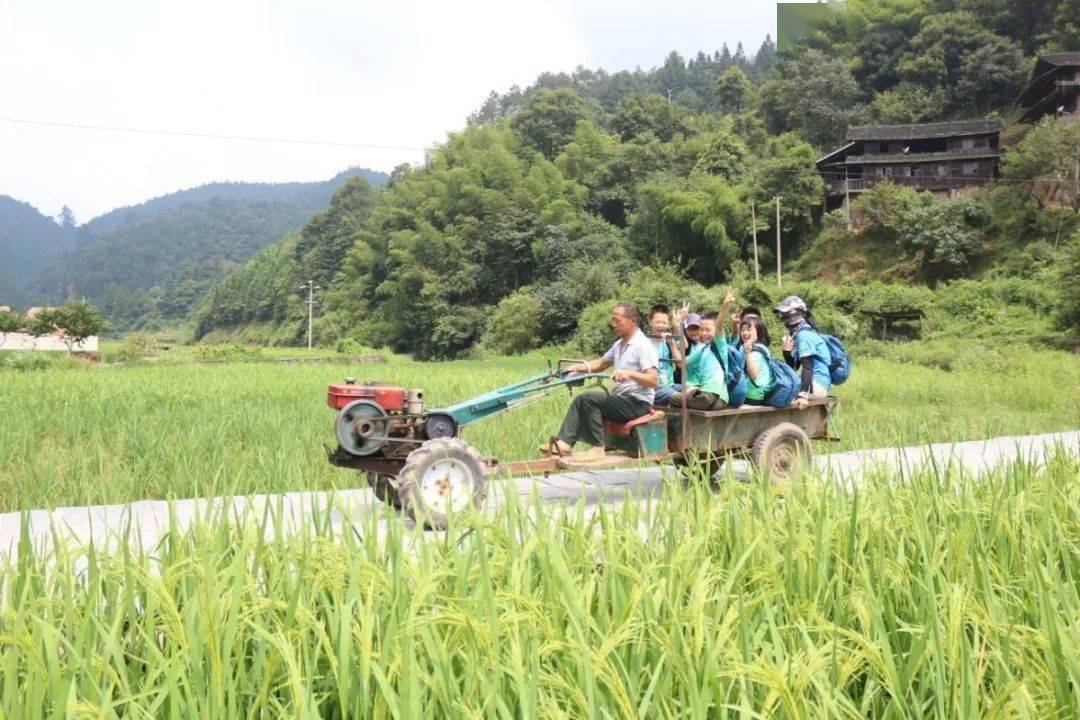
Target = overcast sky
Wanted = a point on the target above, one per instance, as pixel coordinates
(394, 73)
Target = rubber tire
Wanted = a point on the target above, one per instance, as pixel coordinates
(780, 450)
(384, 489)
(418, 462)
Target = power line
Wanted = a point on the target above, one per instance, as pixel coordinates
(210, 136)
(370, 146)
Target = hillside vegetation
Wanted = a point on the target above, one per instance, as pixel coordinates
(28, 242)
(555, 195)
(148, 265)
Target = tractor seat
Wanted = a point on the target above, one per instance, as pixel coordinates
(618, 429)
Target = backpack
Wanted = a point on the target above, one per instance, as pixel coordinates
(840, 364)
(785, 380)
(734, 377)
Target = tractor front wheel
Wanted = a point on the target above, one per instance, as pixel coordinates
(441, 478)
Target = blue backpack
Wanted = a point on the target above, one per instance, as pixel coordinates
(734, 377)
(785, 380)
(840, 366)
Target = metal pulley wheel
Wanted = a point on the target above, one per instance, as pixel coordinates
(361, 427)
(442, 478)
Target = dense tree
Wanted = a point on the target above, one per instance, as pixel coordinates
(952, 50)
(451, 239)
(909, 103)
(733, 90)
(724, 155)
(815, 95)
(764, 61)
(548, 120)
(646, 113)
(1050, 155)
(697, 224)
(945, 234)
(74, 322)
(788, 170)
(66, 219)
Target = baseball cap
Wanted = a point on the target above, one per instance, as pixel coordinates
(693, 320)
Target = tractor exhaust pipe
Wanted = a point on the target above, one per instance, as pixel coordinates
(414, 401)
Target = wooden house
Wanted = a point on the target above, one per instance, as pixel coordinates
(1054, 88)
(942, 157)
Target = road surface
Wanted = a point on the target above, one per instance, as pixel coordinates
(149, 520)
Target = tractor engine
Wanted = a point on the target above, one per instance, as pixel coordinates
(380, 418)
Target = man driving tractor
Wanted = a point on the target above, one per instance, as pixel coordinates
(635, 379)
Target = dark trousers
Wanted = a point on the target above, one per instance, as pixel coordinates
(584, 420)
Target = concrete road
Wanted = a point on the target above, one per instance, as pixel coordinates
(147, 521)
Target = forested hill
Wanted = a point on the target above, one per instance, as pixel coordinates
(316, 194)
(147, 265)
(28, 241)
(591, 185)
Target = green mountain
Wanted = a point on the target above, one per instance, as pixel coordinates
(315, 193)
(28, 242)
(148, 265)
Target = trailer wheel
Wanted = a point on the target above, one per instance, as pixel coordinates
(781, 450)
(440, 479)
(384, 488)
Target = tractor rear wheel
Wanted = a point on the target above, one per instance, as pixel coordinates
(782, 451)
(384, 488)
(440, 479)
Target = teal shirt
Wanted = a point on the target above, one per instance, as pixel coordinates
(705, 371)
(809, 343)
(666, 368)
(757, 389)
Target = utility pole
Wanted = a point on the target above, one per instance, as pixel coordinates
(311, 287)
(753, 226)
(777, 200)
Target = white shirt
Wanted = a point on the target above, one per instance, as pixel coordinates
(638, 354)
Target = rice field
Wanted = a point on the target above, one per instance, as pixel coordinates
(931, 596)
(74, 436)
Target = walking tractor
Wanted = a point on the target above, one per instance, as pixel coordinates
(415, 459)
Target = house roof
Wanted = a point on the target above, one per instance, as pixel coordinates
(914, 158)
(1042, 76)
(924, 130)
(1058, 59)
(833, 154)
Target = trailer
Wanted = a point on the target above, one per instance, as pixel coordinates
(416, 460)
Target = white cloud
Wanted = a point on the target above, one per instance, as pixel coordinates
(383, 73)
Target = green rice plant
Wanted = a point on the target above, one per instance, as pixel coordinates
(73, 436)
(930, 594)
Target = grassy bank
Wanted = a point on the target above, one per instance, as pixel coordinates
(926, 597)
(114, 434)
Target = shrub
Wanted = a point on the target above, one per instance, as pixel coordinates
(946, 233)
(514, 327)
(594, 334)
(137, 346)
(1067, 310)
(229, 352)
(349, 346)
(879, 297)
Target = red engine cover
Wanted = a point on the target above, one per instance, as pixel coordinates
(388, 397)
